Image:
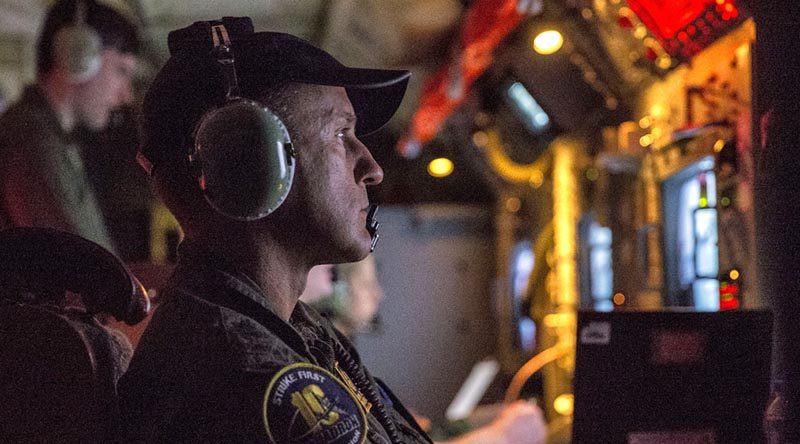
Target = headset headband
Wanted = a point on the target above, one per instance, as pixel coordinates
(224, 55)
(80, 13)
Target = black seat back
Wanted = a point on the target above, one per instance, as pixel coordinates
(49, 380)
(58, 365)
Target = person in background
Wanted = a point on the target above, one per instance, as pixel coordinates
(319, 285)
(86, 57)
(347, 294)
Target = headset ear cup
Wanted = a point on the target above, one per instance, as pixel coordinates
(245, 158)
(76, 49)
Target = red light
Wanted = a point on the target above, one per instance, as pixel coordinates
(728, 296)
(729, 289)
(731, 304)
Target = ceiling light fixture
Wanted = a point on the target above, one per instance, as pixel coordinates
(440, 167)
(548, 42)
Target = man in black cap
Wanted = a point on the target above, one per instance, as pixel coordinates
(231, 355)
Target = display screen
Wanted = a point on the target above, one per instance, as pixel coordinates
(601, 267)
(521, 266)
(527, 108)
(690, 237)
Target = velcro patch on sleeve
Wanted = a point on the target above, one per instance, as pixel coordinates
(305, 403)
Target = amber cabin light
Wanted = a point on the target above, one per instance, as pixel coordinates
(440, 167)
(548, 42)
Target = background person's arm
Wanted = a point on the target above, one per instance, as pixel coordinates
(518, 423)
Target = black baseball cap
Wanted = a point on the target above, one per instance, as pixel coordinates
(190, 83)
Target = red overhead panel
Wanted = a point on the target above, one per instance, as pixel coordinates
(686, 27)
(665, 19)
(485, 25)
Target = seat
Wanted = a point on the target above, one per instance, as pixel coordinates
(58, 364)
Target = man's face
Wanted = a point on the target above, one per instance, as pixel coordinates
(328, 202)
(110, 88)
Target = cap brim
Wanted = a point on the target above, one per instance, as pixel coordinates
(375, 93)
(375, 103)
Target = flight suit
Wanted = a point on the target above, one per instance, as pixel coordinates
(217, 365)
(43, 182)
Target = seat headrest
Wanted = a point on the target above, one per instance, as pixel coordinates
(43, 262)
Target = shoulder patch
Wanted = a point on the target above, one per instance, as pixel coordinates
(305, 403)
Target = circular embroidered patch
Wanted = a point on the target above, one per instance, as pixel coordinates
(305, 403)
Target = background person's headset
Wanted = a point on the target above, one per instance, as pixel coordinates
(242, 154)
(77, 46)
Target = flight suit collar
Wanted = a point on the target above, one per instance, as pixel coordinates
(215, 279)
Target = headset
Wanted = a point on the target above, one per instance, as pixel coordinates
(242, 156)
(77, 46)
